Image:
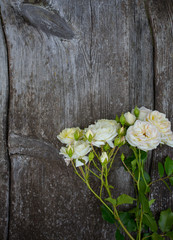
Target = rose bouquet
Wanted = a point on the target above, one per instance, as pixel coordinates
(92, 152)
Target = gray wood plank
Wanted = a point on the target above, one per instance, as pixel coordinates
(4, 166)
(161, 16)
(106, 68)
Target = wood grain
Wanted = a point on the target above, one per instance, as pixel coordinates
(4, 164)
(106, 68)
(161, 14)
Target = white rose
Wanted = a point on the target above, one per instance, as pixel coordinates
(168, 139)
(143, 113)
(130, 118)
(63, 151)
(104, 157)
(81, 149)
(143, 135)
(67, 135)
(161, 122)
(104, 131)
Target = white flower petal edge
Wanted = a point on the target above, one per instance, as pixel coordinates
(163, 125)
(130, 118)
(104, 131)
(64, 153)
(168, 139)
(67, 135)
(143, 135)
(143, 113)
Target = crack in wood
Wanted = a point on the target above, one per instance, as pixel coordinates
(148, 14)
(7, 124)
(37, 148)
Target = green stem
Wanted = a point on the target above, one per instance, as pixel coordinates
(146, 237)
(129, 172)
(77, 173)
(140, 225)
(94, 174)
(95, 152)
(102, 182)
(160, 179)
(114, 213)
(111, 162)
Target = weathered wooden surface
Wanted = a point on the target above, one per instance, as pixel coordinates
(161, 13)
(96, 60)
(4, 164)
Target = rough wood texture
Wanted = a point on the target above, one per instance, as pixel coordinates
(4, 166)
(96, 62)
(161, 14)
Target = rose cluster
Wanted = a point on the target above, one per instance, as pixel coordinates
(142, 128)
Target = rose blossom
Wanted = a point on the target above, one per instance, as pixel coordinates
(67, 135)
(168, 139)
(63, 151)
(143, 113)
(104, 157)
(143, 135)
(130, 118)
(161, 122)
(81, 149)
(103, 131)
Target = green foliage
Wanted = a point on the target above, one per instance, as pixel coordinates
(118, 235)
(151, 202)
(111, 200)
(107, 215)
(128, 220)
(160, 169)
(168, 166)
(125, 199)
(171, 180)
(170, 235)
(166, 220)
(156, 236)
(144, 155)
(144, 202)
(149, 220)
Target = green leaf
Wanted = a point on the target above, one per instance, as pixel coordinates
(144, 202)
(151, 202)
(156, 236)
(149, 220)
(133, 163)
(168, 166)
(170, 235)
(129, 160)
(171, 180)
(133, 210)
(160, 169)
(111, 200)
(125, 199)
(166, 220)
(107, 215)
(110, 186)
(128, 221)
(118, 235)
(143, 155)
(147, 177)
(166, 185)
